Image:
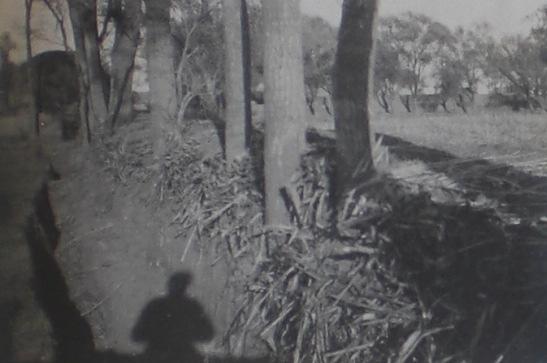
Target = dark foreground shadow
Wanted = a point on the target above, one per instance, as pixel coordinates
(169, 326)
(524, 194)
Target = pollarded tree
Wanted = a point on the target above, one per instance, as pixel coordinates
(160, 56)
(284, 102)
(417, 39)
(237, 79)
(516, 62)
(319, 40)
(387, 72)
(352, 86)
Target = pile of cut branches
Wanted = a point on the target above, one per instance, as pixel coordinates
(400, 279)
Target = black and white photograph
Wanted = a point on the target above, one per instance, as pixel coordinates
(273, 181)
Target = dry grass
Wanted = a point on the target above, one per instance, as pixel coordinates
(476, 135)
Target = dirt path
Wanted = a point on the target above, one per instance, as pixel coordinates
(25, 333)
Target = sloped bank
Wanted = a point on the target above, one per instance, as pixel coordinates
(71, 332)
(122, 245)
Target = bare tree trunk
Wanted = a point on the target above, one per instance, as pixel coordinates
(128, 21)
(57, 13)
(382, 100)
(236, 85)
(31, 71)
(82, 74)
(4, 81)
(405, 100)
(352, 85)
(93, 79)
(284, 102)
(161, 70)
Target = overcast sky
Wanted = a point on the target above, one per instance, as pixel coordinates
(506, 16)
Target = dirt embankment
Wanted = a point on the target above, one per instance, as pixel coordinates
(122, 251)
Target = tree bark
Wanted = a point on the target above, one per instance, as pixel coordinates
(237, 83)
(33, 83)
(60, 19)
(160, 54)
(352, 85)
(93, 79)
(4, 81)
(284, 102)
(127, 20)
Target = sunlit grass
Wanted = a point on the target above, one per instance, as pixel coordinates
(479, 135)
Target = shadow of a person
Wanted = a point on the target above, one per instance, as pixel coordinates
(172, 324)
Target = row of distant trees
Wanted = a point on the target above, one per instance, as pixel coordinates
(415, 53)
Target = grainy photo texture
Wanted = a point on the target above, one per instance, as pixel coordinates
(273, 181)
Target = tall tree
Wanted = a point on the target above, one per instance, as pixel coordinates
(237, 78)
(57, 10)
(284, 102)
(160, 54)
(417, 39)
(387, 72)
(6, 46)
(352, 85)
(319, 47)
(516, 63)
(94, 81)
(31, 72)
(127, 19)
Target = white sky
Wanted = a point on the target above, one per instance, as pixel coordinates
(506, 16)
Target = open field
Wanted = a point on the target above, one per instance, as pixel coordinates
(502, 136)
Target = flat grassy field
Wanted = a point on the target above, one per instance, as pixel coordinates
(486, 135)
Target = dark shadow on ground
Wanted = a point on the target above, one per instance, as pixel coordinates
(524, 194)
(169, 326)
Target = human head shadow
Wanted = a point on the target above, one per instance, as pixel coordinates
(172, 324)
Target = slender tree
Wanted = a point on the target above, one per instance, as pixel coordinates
(127, 19)
(6, 46)
(56, 9)
(237, 79)
(284, 102)
(31, 72)
(161, 70)
(352, 85)
(94, 81)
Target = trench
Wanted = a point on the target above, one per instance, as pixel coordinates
(72, 334)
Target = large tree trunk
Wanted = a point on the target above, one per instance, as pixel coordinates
(160, 54)
(93, 79)
(284, 102)
(237, 84)
(352, 85)
(128, 22)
